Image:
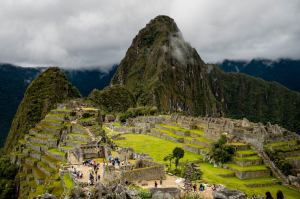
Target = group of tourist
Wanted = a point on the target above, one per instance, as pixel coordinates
(201, 187)
(279, 195)
(115, 161)
(79, 174)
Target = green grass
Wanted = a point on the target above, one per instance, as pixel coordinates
(250, 168)
(50, 159)
(39, 145)
(38, 173)
(50, 120)
(157, 148)
(54, 150)
(48, 126)
(68, 110)
(210, 175)
(171, 134)
(26, 166)
(296, 157)
(236, 143)
(80, 135)
(20, 174)
(49, 169)
(117, 124)
(177, 128)
(23, 183)
(255, 157)
(32, 159)
(40, 190)
(32, 184)
(68, 181)
(276, 144)
(246, 152)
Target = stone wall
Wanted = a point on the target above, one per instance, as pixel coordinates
(56, 132)
(144, 125)
(290, 154)
(122, 129)
(191, 149)
(145, 170)
(212, 134)
(126, 153)
(109, 173)
(198, 142)
(78, 138)
(247, 163)
(251, 174)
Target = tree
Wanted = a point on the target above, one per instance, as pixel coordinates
(221, 152)
(169, 157)
(178, 153)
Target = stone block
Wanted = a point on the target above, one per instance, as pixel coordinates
(294, 161)
(78, 137)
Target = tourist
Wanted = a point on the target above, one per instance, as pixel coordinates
(195, 187)
(89, 182)
(219, 187)
(254, 197)
(279, 195)
(96, 172)
(203, 187)
(200, 187)
(119, 163)
(268, 195)
(160, 181)
(109, 159)
(213, 187)
(99, 177)
(126, 182)
(155, 184)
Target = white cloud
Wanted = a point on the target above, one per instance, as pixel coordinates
(97, 33)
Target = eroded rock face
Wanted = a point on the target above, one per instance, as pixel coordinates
(229, 194)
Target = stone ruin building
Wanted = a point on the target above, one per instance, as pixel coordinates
(109, 118)
(143, 169)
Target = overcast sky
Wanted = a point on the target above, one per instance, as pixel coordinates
(96, 33)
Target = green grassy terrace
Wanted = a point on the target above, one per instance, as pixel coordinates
(32, 159)
(255, 157)
(236, 144)
(276, 144)
(78, 126)
(58, 115)
(49, 169)
(250, 168)
(246, 152)
(32, 184)
(157, 148)
(79, 135)
(50, 159)
(68, 181)
(210, 175)
(48, 126)
(54, 150)
(38, 173)
(49, 120)
(296, 157)
(177, 128)
(67, 110)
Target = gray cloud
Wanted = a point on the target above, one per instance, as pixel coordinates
(97, 33)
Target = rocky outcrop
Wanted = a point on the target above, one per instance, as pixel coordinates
(229, 194)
